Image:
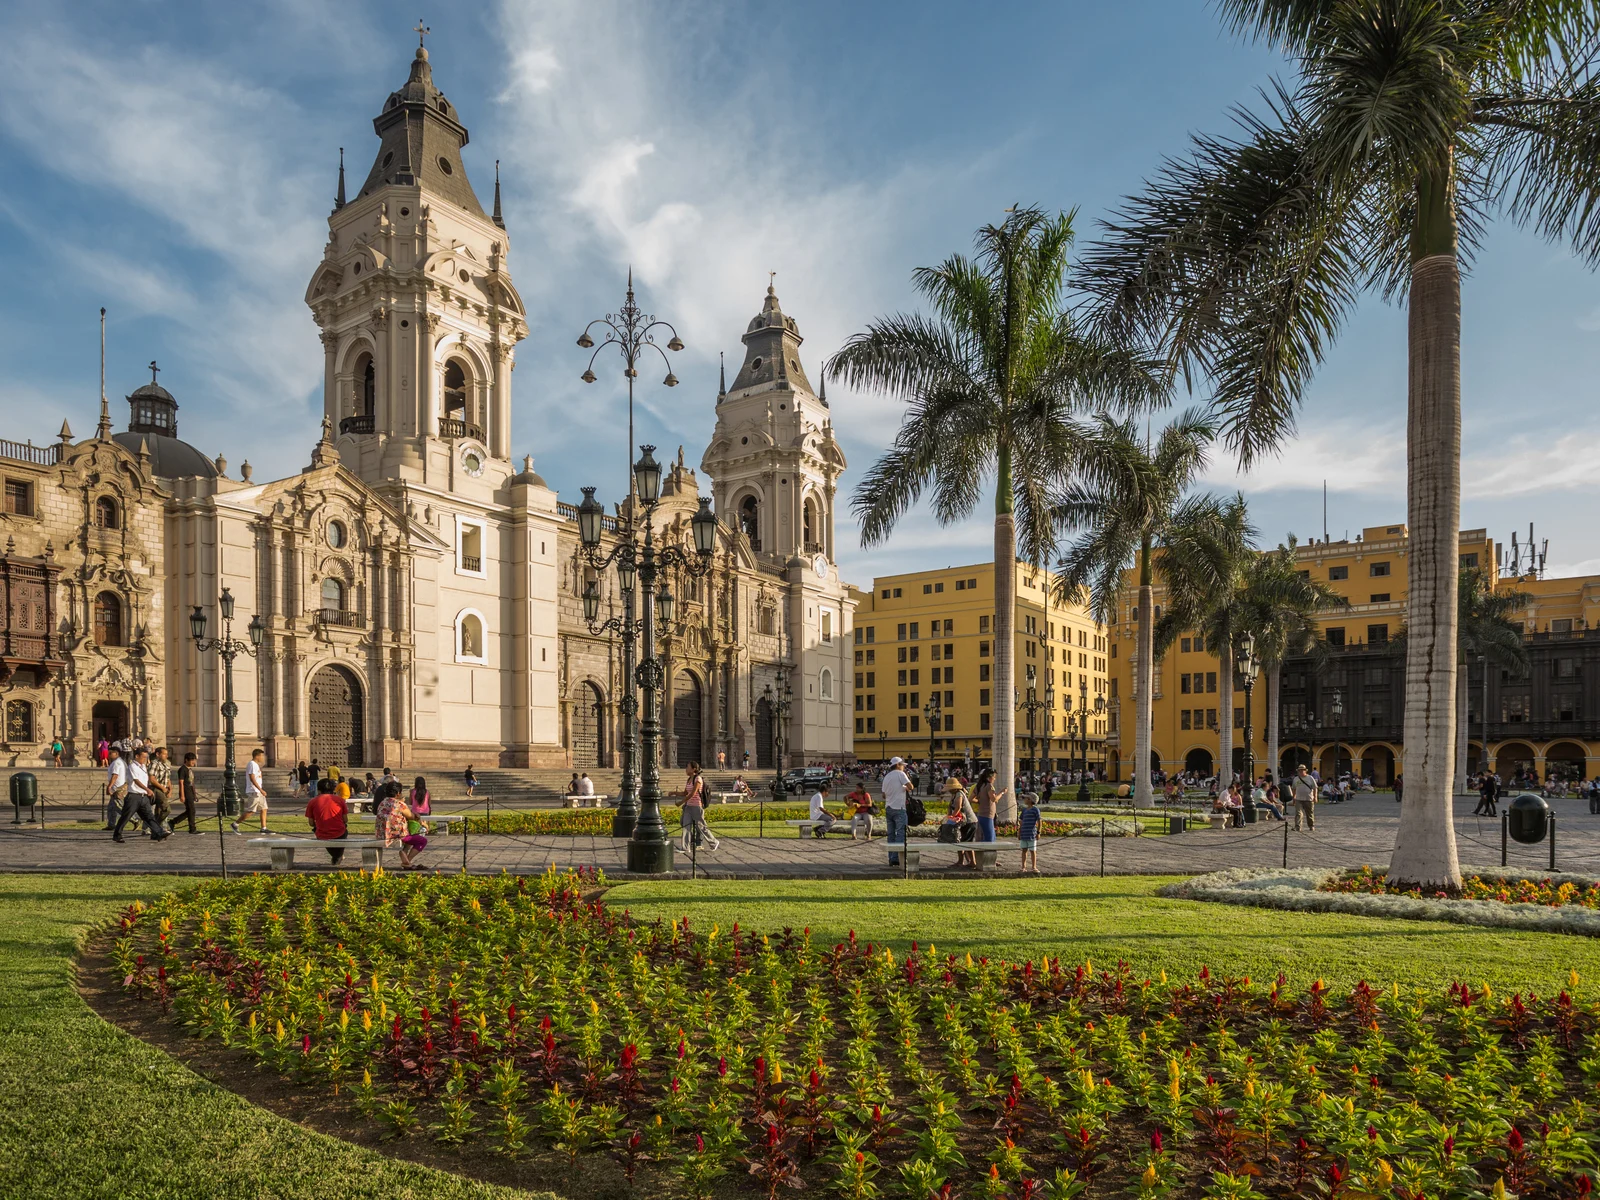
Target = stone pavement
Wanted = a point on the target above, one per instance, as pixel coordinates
(1351, 834)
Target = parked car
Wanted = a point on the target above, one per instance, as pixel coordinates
(805, 780)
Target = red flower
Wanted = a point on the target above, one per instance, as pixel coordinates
(1155, 1141)
(1514, 1140)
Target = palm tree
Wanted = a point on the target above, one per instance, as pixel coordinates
(990, 385)
(1127, 499)
(1411, 123)
(1205, 568)
(1280, 606)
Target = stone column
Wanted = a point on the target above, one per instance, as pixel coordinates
(330, 386)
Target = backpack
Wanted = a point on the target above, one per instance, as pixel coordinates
(916, 814)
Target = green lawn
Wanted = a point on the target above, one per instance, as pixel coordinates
(93, 1112)
(1122, 918)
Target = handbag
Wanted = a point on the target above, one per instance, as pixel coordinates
(947, 833)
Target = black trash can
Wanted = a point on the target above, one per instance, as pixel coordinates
(1176, 824)
(1528, 818)
(24, 791)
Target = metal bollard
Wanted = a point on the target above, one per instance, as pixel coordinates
(1286, 843)
(465, 822)
(1505, 833)
(1102, 847)
(1552, 841)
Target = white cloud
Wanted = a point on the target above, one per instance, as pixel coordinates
(1351, 456)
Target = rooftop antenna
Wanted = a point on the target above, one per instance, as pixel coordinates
(1544, 550)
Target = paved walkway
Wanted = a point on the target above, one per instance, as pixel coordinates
(1350, 834)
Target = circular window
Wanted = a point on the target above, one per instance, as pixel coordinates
(755, 364)
(444, 165)
(465, 278)
(336, 534)
(744, 441)
(357, 269)
(405, 212)
(793, 366)
(405, 324)
(388, 158)
(472, 464)
(783, 408)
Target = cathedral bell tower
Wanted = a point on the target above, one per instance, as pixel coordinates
(773, 456)
(418, 314)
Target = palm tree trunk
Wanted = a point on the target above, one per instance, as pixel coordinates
(1425, 845)
(1005, 642)
(1225, 714)
(1463, 735)
(1274, 682)
(1143, 680)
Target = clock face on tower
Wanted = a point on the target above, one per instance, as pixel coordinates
(472, 463)
(819, 564)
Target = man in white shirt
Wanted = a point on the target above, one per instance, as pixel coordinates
(819, 811)
(255, 789)
(116, 787)
(139, 800)
(895, 786)
(585, 785)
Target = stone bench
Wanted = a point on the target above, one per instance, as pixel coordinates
(580, 800)
(809, 827)
(985, 851)
(732, 797)
(282, 849)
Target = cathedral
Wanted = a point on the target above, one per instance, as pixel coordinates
(419, 591)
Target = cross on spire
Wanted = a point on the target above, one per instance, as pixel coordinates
(422, 32)
(154, 370)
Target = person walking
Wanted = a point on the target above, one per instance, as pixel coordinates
(471, 780)
(1305, 799)
(693, 816)
(1489, 795)
(896, 783)
(116, 786)
(747, 760)
(56, 751)
(183, 788)
(1399, 787)
(160, 785)
(138, 800)
(255, 789)
(329, 822)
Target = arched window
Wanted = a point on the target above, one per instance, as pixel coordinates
(455, 390)
(19, 721)
(809, 519)
(105, 513)
(825, 684)
(469, 638)
(750, 521)
(332, 595)
(369, 388)
(107, 620)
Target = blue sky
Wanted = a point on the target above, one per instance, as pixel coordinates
(176, 163)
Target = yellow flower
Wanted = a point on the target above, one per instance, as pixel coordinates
(1385, 1173)
(1249, 1087)
(1499, 1192)
(1149, 1176)
(366, 1078)
(777, 1072)
(366, 1020)
(1163, 976)
(969, 960)
(1572, 979)
(1349, 1106)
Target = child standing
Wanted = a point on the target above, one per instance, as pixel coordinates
(1028, 833)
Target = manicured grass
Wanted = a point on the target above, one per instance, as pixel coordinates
(93, 1112)
(1122, 918)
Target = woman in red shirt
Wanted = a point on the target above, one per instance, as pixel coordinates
(326, 813)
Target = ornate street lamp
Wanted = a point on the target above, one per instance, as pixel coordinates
(779, 702)
(633, 333)
(1336, 719)
(1249, 668)
(1032, 705)
(932, 712)
(227, 648)
(649, 848)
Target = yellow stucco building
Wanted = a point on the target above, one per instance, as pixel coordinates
(1350, 714)
(931, 633)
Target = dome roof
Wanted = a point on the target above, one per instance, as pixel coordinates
(169, 458)
(152, 391)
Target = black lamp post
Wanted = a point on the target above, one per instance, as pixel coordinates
(649, 848)
(633, 332)
(1032, 705)
(1083, 734)
(1483, 758)
(227, 649)
(1249, 668)
(932, 712)
(780, 700)
(1336, 719)
(883, 745)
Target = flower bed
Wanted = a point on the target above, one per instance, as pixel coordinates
(1502, 889)
(1316, 889)
(511, 1016)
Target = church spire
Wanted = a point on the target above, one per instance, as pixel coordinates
(722, 375)
(104, 430)
(498, 219)
(823, 394)
(338, 200)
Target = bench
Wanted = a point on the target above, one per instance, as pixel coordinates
(577, 800)
(731, 797)
(282, 849)
(985, 851)
(808, 828)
